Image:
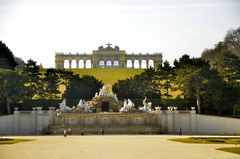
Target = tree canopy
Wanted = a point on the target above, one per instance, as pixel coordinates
(231, 43)
(7, 60)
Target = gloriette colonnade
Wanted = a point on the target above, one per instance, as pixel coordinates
(108, 57)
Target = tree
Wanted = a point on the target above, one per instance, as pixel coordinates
(231, 44)
(34, 81)
(20, 62)
(138, 87)
(211, 55)
(51, 82)
(66, 77)
(192, 74)
(12, 87)
(82, 88)
(228, 67)
(6, 57)
(165, 77)
(232, 41)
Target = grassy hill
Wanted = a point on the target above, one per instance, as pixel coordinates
(109, 75)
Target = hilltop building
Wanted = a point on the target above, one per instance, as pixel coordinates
(108, 57)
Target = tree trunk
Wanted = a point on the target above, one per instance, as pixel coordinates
(198, 104)
(7, 102)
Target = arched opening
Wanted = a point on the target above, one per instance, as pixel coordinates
(144, 64)
(116, 64)
(88, 64)
(66, 63)
(105, 106)
(101, 64)
(109, 63)
(151, 63)
(74, 64)
(81, 65)
(136, 64)
(129, 64)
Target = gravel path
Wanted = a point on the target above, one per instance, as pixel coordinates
(111, 147)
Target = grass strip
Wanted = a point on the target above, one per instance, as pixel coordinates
(209, 140)
(13, 141)
(235, 150)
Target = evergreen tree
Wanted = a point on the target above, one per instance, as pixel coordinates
(12, 88)
(7, 60)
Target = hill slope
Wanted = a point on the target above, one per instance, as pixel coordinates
(109, 75)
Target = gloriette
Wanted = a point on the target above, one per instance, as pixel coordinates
(108, 57)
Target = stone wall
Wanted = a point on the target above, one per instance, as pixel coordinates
(211, 125)
(26, 122)
(112, 123)
(164, 122)
(6, 125)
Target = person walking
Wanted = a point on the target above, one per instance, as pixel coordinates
(65, 133)
(102, 131)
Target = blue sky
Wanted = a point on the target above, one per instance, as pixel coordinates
(37, 29)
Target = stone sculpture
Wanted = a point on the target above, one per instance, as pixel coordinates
(83, 106)
(128, 106)
(115, 97)
(146, 106)
(104, 91)
(63, 107)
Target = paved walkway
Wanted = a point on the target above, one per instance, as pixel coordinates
(111, 147)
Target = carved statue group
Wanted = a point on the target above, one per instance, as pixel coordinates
(83, 106)
(147, 107)
(105, 91)
(63, 107)
(128, 105)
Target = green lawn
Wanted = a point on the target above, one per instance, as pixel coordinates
(214, 140)
(13, 141)
(208, 140)
(110, 75)
(235, 150)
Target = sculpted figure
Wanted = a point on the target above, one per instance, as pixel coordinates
(104, 91)
(101, 92)
(86, 107)
(127, 106)
(146, 106)
(115, 97)
(96, 95)
(100, 48)
(83, 106)
(80, 104)
(63, 107)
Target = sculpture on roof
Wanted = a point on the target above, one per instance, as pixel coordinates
(108, 48)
